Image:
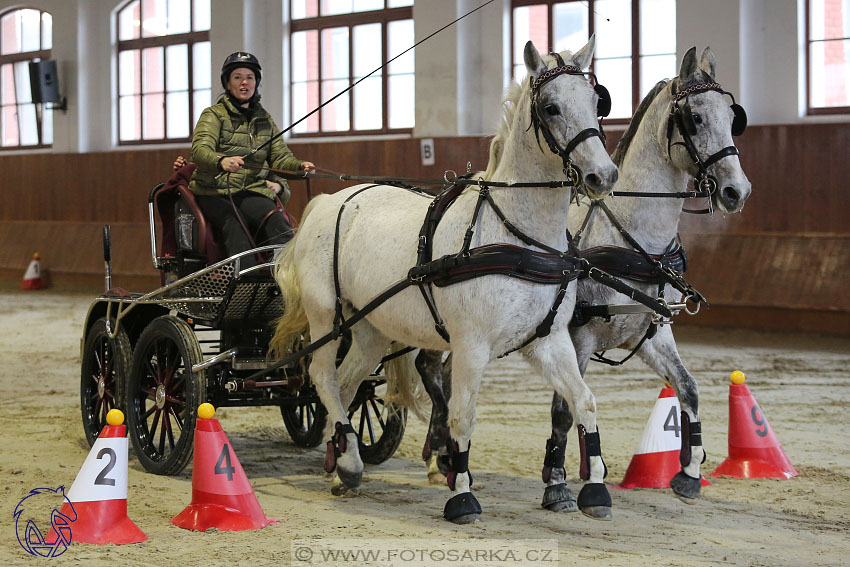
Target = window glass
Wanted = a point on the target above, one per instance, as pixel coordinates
(202, 98)
(829, 19)
(153, 117)
(154, 18)
(368, 102)
(10, 126)
(305, 97)
(570, 25)
(657, 27)
(46, 31)
(367, 49)
(400, 38)
(830, 73)
(335, 53)
(531, 23)
(23, 92)
(401, 107)
(365, 5)
(8, 74)
(30, 30)
(201, 65)
(179, 16)
(47, 126)
(129, 62)
(616, 75)
(11, 33)
(304, 9)
(399, 3)
(131, 118)
(653, 68)
(613, 28)
(129, 22)
(335, 114)
(331, 7)
(177, 79)
(177, 120)
(152, 71)
(201, 15)
(28, 124)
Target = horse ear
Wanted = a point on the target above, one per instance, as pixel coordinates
(533, 62)
(689, 63)
(584, 56)
(707, 62)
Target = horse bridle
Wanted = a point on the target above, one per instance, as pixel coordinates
(603, 108)
(681, 118)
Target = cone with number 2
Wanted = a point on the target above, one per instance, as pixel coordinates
(754, 450)
(222, 497)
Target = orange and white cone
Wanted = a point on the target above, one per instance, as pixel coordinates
(754, 450)
(99, 493)
(222, 497)
(656, 459)
(33, 277)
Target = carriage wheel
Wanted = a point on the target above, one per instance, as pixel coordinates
(163, 394)
(379, 425)
(305, 421)
(106, 363)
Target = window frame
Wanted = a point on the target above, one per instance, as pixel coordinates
(164, 41)
(383, 16)
(817, 110)
(29, 56)
(635, 43)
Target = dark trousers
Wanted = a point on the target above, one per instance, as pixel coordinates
(253, 208)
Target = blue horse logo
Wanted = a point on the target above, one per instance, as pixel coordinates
(33, 507)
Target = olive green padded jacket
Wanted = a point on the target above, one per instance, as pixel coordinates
(224, 131)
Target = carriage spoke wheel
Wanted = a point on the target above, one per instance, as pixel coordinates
(105, 364)
(163, 395)
(379, 424)
(305, 420)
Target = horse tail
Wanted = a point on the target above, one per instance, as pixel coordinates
(404, 385)
(293, 323)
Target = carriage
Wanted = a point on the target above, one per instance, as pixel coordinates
(199, 338)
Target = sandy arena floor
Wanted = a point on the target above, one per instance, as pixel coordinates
(802, 384)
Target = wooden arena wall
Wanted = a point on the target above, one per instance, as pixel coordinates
(781, 264)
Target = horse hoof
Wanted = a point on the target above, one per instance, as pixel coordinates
(346, 481)
(338, 488)
(597, 512)
(462, 509)
(687, 488)
(594, 501)
(559, 498)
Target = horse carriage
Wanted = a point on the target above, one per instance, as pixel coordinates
(158, 355)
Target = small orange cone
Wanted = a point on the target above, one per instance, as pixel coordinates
(99, 493)
(222, 497)
(754, 450)
(33, 277)
(656, 459)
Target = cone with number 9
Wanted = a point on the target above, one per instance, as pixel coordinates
(99, 493)
(754, 450)
(222, 497)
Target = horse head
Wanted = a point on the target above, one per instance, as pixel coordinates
(699, 132)
(565, 108)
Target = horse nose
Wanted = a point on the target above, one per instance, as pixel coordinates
(730, 197)
(601, 181)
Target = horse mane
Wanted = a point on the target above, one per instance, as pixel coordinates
(622, 148)
(623, 145)
(509, 102)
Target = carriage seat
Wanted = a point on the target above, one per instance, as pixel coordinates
(186, 235)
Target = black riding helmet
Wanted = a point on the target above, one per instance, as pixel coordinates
(237, 60)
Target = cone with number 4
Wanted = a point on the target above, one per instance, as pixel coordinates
(99, 493)
(656, 459)
(222, 497)
(754, 450)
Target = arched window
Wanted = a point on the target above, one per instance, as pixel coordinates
(336, 42)
(163, 69)
(635, 41)
(25, 35)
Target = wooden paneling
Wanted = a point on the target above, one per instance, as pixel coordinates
(784, 258)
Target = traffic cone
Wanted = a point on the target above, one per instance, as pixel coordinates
(754, 450)
(33, 276)
(656, 459)
(99, 493)
(222, 497)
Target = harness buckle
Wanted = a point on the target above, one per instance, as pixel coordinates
(450, 178)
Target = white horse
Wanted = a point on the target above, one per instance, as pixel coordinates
(683, 128)
(375, 233)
